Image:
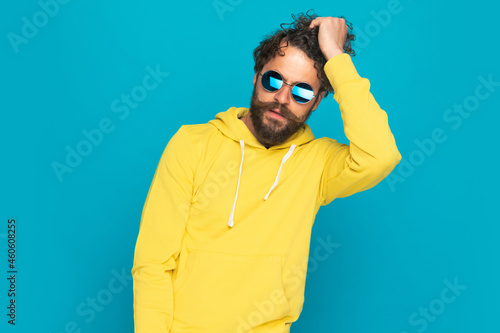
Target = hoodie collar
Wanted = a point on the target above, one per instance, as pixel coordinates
(230, 125)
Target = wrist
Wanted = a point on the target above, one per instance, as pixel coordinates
(332, 53)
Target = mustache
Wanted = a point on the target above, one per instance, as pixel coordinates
(276, 105)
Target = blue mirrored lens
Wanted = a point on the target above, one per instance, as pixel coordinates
(302, 92)
(271, 81)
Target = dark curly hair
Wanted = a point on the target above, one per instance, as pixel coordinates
(299, 35)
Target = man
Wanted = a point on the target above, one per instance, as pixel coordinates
(225, 230)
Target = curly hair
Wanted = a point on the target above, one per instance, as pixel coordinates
(299, 35)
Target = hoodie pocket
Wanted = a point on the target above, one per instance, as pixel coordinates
(224, 291)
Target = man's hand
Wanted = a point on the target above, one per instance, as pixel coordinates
(331, 36)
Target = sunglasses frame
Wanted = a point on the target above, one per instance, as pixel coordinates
(288, 84)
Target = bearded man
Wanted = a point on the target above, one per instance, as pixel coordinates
(225, 231)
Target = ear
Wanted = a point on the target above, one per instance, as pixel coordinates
(255, 79)
(318, 100)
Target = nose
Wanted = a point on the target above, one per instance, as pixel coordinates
(283, 95)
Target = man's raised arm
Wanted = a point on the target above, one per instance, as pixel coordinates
(372, 153)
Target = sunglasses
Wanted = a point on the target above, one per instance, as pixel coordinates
(301, 92)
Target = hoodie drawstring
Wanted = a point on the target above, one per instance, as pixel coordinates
(285, 158)
(231, 221)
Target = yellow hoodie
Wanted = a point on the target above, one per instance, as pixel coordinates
(225, 231)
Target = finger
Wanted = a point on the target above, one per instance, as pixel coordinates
(343, 22)
(315, 22)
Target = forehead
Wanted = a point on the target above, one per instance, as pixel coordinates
(295, 66)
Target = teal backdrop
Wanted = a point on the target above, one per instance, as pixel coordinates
(92, 91)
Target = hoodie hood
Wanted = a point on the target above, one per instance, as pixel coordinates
(230, 125)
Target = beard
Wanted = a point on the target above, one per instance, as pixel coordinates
(274, 131)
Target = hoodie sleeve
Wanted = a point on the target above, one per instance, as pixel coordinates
(161, 230)
(372, 153)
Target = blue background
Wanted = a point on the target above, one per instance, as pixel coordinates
(398, 243)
